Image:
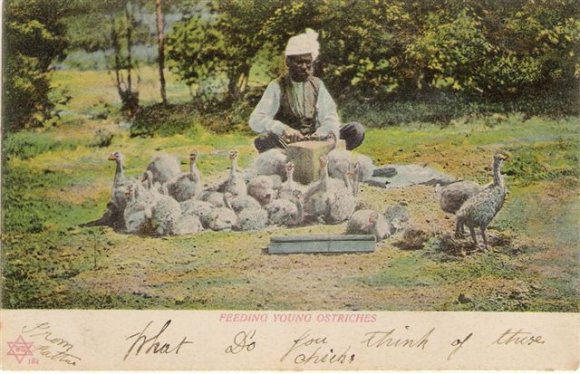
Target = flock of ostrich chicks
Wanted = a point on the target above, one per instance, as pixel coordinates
(166, 201)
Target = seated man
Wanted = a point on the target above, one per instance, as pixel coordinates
(297, 106)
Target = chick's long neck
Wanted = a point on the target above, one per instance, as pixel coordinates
(300, 211)
(234, 167)
(290, 177)
(119, 172)
(497, 177)
(324, 175)
(193, 169)
(347, 182)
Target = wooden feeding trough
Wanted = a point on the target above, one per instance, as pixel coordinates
(321, 244)
(306, 156)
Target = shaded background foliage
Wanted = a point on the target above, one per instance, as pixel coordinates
(34, 37)
(372, 52)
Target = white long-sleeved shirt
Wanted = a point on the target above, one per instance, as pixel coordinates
(262, 118)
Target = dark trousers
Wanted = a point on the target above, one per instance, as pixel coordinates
(353, 134)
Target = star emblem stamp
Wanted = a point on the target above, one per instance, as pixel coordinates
(20, 349)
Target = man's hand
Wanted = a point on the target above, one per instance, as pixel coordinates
(291, 136)
(330, 137)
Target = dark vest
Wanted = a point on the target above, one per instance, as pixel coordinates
(287, 113)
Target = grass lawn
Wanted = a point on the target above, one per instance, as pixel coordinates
(56, 179)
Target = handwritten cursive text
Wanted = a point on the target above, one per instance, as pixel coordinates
(243, 341)
(51, 346)
(152, 344)
(395, 339)
(316, 350)
(520, 337)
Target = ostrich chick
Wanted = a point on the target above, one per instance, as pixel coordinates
(253, 219)
(341, 161)
(264, 188)
(452, 196)
(288, 188)
(200, 208)
(213, 197)
(273, 161)
(113, 217)
(235, 183)
(342, 202)
(320, 194)
(479, 210)
(164, 167)
(223, 218)
(397, 216)
(286, 212)
(187, 224)
(137, 213)
(166, 213)
(120, 181)
(186, 186)
(366, 221)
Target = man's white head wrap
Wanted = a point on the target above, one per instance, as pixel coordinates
(303, 43)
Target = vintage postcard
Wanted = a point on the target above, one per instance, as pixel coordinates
(290, 185)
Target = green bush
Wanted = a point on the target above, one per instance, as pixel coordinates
(34, 38)
(228, 117)
(102, 138)
(100, 110)
(496, 50)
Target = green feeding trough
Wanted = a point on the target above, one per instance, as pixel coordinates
(322, 244)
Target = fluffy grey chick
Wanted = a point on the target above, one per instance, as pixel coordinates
(367, 221)
(137, 213)
(286, 212)
(320, 194)
(452, 196)
(120, 181)
(251, 215)
(342, 202)
(223, 218)
(201, 209)
(253, 219)
(281, 211)
(397, 216)
(244, 202)
(273, 161)
(479, 210)
(213, 197)
(164, 167)
(150, 191)
(341, 161)
(113, 217)
(264, 188)
(186, 186)
(235, 184)
(187, 224)
(366, 167)
(288, 188)
(165, 215)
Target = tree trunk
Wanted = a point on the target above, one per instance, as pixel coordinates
(129, 19)
(130, 98)
(161, 47)
(117, 52)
